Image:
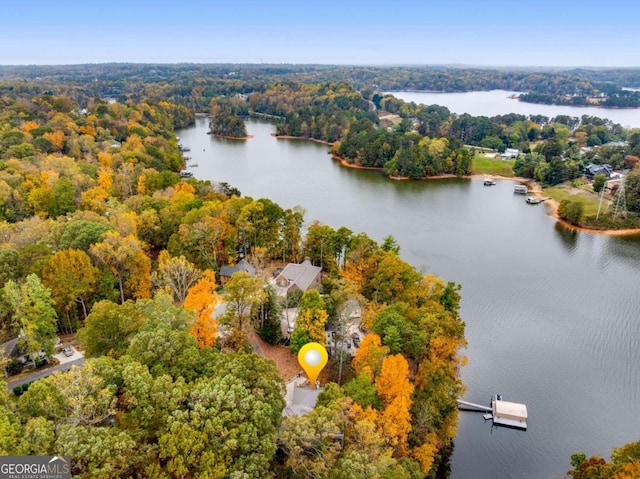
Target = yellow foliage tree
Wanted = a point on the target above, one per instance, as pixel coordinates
(369, 356)
(203, 299)
(356, 413)
(394, 423)
(56, 138)
(105, 160)
(425, 453)
(27, 126)
(394, 388)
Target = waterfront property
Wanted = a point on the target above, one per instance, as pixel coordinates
(509, 154)
(592, 170)
(299, 277)
(227, 271)
(524, 279)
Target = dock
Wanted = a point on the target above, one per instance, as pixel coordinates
(509, 414)
(469, 406)
(501, 413)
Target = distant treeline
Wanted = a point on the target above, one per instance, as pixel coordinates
(194, 85)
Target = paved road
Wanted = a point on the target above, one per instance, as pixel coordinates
(45, 373)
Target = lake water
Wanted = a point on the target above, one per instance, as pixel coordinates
(497, 102)
(552, 315)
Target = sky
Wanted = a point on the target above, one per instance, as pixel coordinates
(562, 33)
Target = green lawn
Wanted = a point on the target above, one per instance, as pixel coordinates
(561, 192)
(492, 166)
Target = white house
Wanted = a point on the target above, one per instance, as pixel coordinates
(510, 153)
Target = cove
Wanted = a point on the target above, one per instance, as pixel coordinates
(552, 315)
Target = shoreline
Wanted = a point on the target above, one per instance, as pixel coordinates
(518, 98)
(289, 137)
(226, 137)
(551, 204)
(552, 210)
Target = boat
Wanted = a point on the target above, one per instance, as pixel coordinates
(186, 174)
(533, 200)
(489, 182)
(193, 165)
(520, 189)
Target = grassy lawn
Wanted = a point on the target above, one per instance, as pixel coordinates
(492, 166)
(561, 192)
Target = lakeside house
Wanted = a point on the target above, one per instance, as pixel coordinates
(299, 277)
(592, 170)
(227, 271)
(509, 154)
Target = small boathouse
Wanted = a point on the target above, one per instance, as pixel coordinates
(502, 413)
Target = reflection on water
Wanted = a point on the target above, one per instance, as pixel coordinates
(568, 236)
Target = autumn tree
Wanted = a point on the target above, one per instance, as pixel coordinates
(310, 322)
(203, 299)
(176, 273)
(395, 390)
(243, 296)
(203, 242)
(124, 257)
(369, 356)
(71, 278)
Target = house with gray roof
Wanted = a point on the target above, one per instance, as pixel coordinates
(227, 271)
(303, 276)
(592, 170)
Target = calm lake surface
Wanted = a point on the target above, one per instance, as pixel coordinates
(497, 102)
(553, 316)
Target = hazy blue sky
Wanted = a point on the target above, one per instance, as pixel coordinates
(474, 32)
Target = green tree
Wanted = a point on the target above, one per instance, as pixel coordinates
(8, 265)
(571, 211)
(33, 313)
(598, 182)
(363, 391)
(632, 190)
(82, 234)
(109, 328)
(224, 430)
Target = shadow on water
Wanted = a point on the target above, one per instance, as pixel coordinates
(624, 247)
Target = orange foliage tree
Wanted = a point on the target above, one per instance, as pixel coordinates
(369, 356)
(203, 299)
(394, 388)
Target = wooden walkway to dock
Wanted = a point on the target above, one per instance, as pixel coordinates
(469, 406)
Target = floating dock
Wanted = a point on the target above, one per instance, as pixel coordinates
(501, 413)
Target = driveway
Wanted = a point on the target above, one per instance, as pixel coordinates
(66, 363)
